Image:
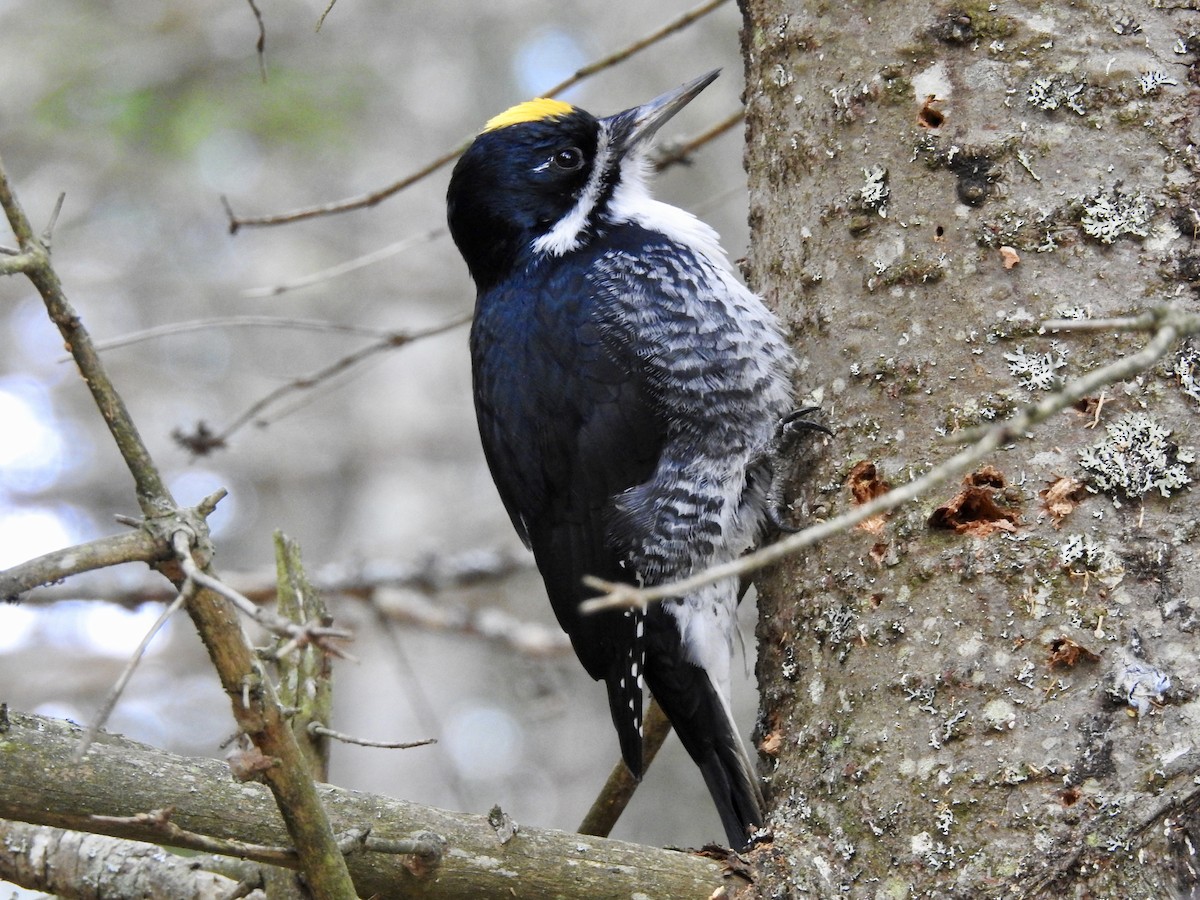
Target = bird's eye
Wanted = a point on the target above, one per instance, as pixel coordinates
(568, 159)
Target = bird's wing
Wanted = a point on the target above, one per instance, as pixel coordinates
(566, 426)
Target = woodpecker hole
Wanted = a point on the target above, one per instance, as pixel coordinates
(930, 116)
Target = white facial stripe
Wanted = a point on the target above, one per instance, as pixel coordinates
(565, 235)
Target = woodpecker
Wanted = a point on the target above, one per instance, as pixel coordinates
(632, 396)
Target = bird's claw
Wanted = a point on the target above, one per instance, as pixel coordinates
(788, 433)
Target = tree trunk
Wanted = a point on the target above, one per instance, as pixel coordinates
(991, 692)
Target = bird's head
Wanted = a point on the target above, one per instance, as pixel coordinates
(543, 176)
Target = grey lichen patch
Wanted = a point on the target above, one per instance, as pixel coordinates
(917, 270)
(1000, 715)
(1107, 215)
(1037, 371)
(1125, 24)
(1081, 554)
(870, 201)
(976, 411)
(835, 628)
(1037, 230)
(1152, 81)
(1052, 92)
(1137, 457)
(1186, 368)
(874, 193)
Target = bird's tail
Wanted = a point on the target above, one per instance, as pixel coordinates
(703, 720)
(624, 680)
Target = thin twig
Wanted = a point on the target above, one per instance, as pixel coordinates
(307, 633)
(153, 496)
(317, 728)
(101, 717)
(682, 152)
(637, 46)
(1146, 321)
(371, 198)
(1172, 324)
(428, 716)
(261, 44)
(362, 201)
(48, 231)
(338, 367)
(328, 10)
(160, 821)
(352, 265)
(280, 322)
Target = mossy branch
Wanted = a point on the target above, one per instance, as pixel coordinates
(122, 778)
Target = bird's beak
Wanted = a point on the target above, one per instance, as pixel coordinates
(635, 127)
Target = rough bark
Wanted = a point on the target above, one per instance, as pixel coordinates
(79, 866)
(969, 698)
(122, 778)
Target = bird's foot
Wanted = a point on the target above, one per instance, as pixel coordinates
(780, 461)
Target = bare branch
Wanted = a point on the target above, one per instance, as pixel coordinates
(618, 790)
(362, 201)
(101, 717)
(57, 861)
(318, 728)
(1147, 321)
(16, 263)
(678, 154)
(307, 382)
(637, 46)
(48, 231)
(152, 493)
(349, 266)
(255, 705)
(260, 45)
(298, 634)
(1172, 325)
(402, 593)
(37, 785)
(328, 10)
(177, 328)
(130, 546)
(159, 820)
(370, 199)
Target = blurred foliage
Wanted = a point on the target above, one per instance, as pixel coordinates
(300, 110)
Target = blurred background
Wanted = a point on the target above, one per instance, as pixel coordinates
(145, 115)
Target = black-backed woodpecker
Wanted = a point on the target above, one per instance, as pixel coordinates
(629, 391)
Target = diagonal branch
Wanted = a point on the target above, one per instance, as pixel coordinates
(371, 198)
(613, 59)
(1171, 326)
(338, 367)
(255, 705)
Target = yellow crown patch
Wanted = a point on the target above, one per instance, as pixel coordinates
(529, 111)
